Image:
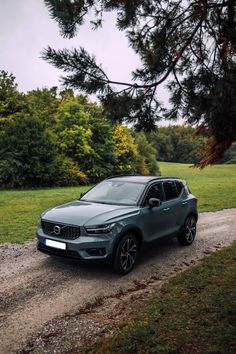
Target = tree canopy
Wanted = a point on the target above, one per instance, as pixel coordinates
(56, 138)
(189, 45)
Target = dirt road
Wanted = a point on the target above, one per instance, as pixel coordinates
(35, 288)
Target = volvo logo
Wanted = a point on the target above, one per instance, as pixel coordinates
(57, 230)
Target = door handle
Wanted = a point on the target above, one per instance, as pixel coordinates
(184, 203)
(166, 209)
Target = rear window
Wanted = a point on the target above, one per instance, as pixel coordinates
(170, 190)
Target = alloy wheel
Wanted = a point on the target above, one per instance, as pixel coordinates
(128, 254)
(190, 229)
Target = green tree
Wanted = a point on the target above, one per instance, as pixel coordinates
(27, 153)
(73, 133)
(11, 101)
(178, 144)
(101, 163)
(184, 151)
(85, 137)
(190, 45)
(198, 142)
(147, 156)
(125, 151)
(163, 145)
(230, 155)
(43, 103)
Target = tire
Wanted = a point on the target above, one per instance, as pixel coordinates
(126, 254)
(187, 237)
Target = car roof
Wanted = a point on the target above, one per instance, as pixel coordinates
(140, 178)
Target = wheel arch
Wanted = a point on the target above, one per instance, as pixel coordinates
(135, 231)
(193, 213)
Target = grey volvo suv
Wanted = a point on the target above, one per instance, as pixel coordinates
(113, 219)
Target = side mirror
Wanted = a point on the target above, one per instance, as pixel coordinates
(154, 202)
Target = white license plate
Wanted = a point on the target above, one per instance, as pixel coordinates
(55, 244)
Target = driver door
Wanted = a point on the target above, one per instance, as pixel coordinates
(153, 219)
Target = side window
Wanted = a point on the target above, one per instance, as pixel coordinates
(179, 186)
(170, 190)
(155, 191)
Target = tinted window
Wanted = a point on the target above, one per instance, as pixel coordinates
(179, 187)
(170, 190)
(154, 191)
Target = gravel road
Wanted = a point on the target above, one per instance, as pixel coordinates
(39, 292)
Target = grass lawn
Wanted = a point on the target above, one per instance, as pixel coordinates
(194, 313)
(214, 186)
(20, 209)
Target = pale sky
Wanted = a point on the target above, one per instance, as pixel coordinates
(26, 28)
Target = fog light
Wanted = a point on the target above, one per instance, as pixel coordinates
(96, 251)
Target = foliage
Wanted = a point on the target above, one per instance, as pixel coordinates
(183, 144)
(43, 103)
(58, 138)
(147, 156)
(125, 151)
(103, 162)
(183, 151)
(161, 140)
(191, 46)
(85, 137)
(178, 144)
(69, 173)
(11, 101)
(230, 155)
(27, 153)
(73, 132)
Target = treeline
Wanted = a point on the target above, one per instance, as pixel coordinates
(178, 144)
(51, 138)
(182, 144)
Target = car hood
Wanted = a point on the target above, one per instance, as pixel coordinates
(87, 213)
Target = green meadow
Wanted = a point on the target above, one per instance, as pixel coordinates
(214, 186)
(20, 210)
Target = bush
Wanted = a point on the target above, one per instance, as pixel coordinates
(69, 174)
(27, 154)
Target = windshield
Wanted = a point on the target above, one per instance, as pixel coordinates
(115, 192)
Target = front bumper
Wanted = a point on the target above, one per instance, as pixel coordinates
(99, 247)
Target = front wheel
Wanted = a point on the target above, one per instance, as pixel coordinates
(126, 254)
(187, 237)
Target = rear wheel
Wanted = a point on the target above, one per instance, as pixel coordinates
(126, 254)
(187, 237)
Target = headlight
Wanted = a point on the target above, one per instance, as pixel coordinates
(99, 229)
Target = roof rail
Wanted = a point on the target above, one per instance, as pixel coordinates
(154, 177)
(114, 176)
(167, 177)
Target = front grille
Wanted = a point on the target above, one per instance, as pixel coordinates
(68, 232)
